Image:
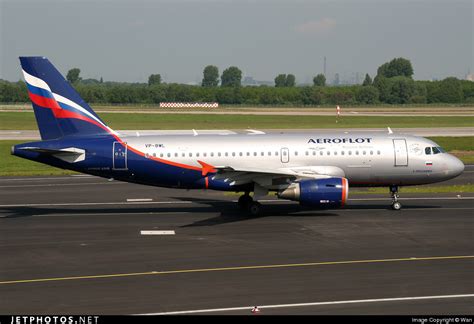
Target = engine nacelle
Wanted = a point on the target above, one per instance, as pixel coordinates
(330, 192)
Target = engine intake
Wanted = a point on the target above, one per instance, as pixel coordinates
(330, 192)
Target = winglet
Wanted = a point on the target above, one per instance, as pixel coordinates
(206, 168)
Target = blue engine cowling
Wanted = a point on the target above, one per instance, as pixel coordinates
(327, 193)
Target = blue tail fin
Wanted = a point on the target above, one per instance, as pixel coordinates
(59, 110)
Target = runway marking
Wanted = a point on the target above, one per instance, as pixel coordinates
(139, 199)
(238, 268)
(217, 201)
(106, 214)
(99, 203)
(157, 233)
(339, 302)
(50, 178)
(64, 184)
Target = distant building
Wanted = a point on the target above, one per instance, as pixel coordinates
(470, 77)
(251, 82)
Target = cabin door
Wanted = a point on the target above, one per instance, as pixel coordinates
(119, 156)
(401, 152)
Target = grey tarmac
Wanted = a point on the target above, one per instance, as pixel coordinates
(73, 245)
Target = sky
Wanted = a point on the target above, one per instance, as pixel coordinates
(128, 40)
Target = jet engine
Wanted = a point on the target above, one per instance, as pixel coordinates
(325, 193)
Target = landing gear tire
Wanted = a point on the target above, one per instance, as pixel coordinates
(396, 206)
(254, 208)
(245, 201)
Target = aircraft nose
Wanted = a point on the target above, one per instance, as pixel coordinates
(456, 167)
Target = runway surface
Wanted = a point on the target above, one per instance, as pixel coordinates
(73, 245)
(443, 131)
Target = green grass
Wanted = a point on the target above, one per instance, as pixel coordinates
(455, 143)
(26, 120)
(467, 188)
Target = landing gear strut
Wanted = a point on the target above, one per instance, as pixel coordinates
(396, 205)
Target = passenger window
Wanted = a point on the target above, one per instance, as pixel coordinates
(335, 152)
(314, 152)
(350, 152)
(161, 155)
(226, 154)
(328, 153)
(378, 152)
(154, 154)
(321, 153)
(169, 154)
(357, 152)
(342, 153)
(212, 154)
(427, 150)
(190, 154)
(276, 153)
(204, 154)
(254, 153)
(233, 153)
(248, 153)
(219, 154)
(197, 154)
(269, 153)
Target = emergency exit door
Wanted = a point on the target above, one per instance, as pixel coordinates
(285, 155)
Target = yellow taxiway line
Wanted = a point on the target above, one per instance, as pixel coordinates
(237, 268)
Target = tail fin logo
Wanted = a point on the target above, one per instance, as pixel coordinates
(41, 95)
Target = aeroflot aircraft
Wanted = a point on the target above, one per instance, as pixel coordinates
(313, 168)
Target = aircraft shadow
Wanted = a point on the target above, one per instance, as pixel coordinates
(228, 210)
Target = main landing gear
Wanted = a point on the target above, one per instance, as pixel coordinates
(247, 203)
(396, 205)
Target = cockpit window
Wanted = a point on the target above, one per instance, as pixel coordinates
(436, 150)
(427, 150)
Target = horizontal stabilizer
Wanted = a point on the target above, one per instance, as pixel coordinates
(70, 154)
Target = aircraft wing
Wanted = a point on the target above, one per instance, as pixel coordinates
(271, 178)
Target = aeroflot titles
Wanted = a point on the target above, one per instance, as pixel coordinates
(340, 140)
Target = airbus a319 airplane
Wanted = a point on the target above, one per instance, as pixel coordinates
(314, 168)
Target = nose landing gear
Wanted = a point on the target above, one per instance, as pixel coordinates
(396, 205)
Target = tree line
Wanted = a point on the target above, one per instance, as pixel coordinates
(393, 84)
